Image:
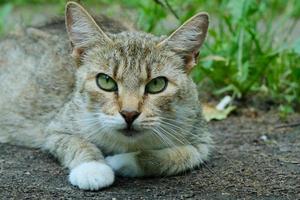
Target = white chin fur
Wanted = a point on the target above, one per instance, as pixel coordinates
(92, 176)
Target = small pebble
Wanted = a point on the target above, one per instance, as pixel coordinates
(27, 173)
(263, 138)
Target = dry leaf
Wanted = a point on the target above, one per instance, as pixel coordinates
(210, 112)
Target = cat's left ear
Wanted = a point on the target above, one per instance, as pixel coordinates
(188, 38)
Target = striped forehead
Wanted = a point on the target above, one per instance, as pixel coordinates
(134, 62)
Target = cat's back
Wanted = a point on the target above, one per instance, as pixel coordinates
(37, 76)
(36, 72)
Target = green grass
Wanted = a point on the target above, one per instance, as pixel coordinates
(248, 52)
(5, 10)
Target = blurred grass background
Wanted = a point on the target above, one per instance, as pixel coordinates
(252, 50)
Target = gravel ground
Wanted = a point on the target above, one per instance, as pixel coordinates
(253, 160)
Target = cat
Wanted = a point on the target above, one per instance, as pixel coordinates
(103, 98)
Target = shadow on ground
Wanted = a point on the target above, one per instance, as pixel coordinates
(245, 165)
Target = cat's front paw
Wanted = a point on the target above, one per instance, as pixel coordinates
(92, 176)
(125, 164)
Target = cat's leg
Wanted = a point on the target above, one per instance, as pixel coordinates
(166, 161)
(88, 169)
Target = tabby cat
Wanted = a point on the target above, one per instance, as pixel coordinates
(122, 104)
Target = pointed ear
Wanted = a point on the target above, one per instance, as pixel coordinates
(188, 38)
(82, 29)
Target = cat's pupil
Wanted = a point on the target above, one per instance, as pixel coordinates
(155, 82)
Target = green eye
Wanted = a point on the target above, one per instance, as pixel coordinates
(106, 83)
(156, 85)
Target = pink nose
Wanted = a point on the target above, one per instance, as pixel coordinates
(129, 116)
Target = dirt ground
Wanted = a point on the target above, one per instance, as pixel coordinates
(253, 159)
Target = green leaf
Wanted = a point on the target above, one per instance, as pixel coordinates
(4, 12)
(211, 113)
(235, 8)
(296, 47)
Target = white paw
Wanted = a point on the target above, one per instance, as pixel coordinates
(92, 176)
(125, 164)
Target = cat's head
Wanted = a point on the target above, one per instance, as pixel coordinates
(135, 82)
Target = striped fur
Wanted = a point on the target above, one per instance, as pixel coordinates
(50, 102)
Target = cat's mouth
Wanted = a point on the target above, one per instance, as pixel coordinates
(129, 132)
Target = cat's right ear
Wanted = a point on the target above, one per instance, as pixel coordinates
(82, 29)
